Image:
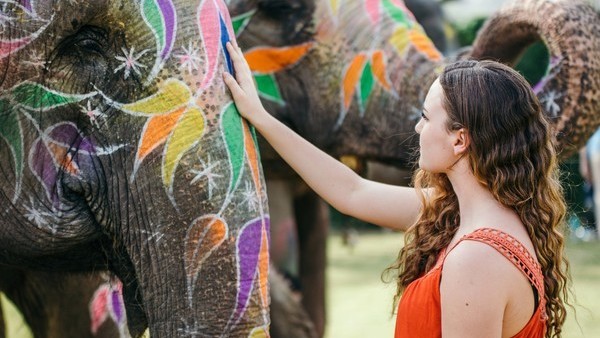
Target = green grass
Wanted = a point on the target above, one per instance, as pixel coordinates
(359, 303)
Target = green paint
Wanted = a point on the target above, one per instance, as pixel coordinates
(268, 88)
(231, 126)
(152, 14)
(34, 96)
(366, 86)
(240, 22)
(10, 131)
(397, 14)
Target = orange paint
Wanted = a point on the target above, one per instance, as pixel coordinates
(424, 45)
(263, 267)
(379, 68)
(156, 132)
(63, 159)
(352, 77)
(204, 236)
(252, 158)
(270, 60)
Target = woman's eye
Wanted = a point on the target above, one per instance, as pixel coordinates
(423, 116)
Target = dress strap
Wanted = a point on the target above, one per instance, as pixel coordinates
(515, 252)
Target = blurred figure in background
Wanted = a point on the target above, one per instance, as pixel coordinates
(589, 167)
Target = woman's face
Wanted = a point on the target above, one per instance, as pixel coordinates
(435, 141)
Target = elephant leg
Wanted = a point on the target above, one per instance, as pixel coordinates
(55, 304)
(288, 317)
(312, 219)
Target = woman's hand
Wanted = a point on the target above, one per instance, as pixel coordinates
(243, 90)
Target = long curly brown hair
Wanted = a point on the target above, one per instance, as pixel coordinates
(512, 154)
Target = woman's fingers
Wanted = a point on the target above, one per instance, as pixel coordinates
(242, 70)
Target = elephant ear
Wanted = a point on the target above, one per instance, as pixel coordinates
(12, 133)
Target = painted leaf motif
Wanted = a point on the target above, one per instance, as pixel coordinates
(248, 256)
(208, 20)
(12, 134)
(268, 88)
(116, 306)
(366, 86)
(240, 22)
(224, 12)
(45, 169)
(8, 47)
(399, 39)
(155, 133)
(99, 307)
(231, 127)
(186, 134)
(351, 78)
(34, 96)
(269, 60)
(263, 266)
(424, 45)
(204, 236)
(259, 332)
(171, 96)
(224, 39)
(161, 17)
(398, 12)
(373, 10)
(252, 155)
(379, 68)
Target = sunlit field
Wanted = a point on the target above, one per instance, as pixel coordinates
(359, 303)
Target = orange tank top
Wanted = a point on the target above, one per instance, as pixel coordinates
(419, 310)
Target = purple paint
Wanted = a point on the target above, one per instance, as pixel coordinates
(116, 302)
(168, 10)
(26, 4)
(248, 250)
(42, 165)
(68, 135)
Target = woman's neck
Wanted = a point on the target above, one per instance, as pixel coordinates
(478, 207)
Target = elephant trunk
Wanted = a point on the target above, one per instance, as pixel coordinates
(569, 90)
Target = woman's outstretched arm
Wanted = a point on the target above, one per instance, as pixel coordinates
(381, 204)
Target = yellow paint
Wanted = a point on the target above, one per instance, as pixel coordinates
(399, 39)
(172, 95)
(185, 135)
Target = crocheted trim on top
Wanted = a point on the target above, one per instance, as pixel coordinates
(514, 251)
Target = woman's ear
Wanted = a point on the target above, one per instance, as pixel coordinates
(461, 141)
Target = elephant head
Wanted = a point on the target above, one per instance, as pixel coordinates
(122, 150)
(352, 76)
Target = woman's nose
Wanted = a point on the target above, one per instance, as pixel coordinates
(419, 126)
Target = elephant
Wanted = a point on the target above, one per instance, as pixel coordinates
(124, 152)
(310, 59)
(351, 76)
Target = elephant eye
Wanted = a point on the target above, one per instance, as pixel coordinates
(87, 40)
(277, 8)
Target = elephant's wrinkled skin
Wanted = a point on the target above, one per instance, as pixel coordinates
(122, 151)
(352, 76)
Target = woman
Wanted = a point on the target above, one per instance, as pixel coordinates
(486, 207)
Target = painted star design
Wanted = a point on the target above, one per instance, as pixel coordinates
(207, 172)
(189, 58)
(130, 62)
(39, 218)
(550, 104)
(250, 197)
(36, 61)
(92, 113)
(192, 329)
